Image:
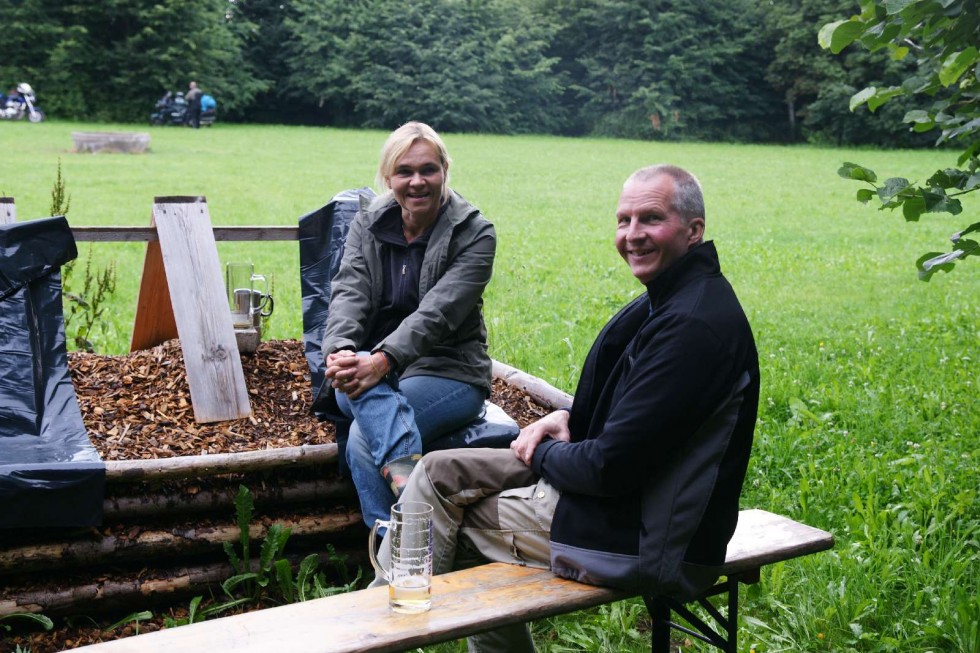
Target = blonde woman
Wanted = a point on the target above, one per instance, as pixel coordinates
(405, 344)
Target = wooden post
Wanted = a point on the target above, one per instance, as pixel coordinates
(182, 291)
(8, 212)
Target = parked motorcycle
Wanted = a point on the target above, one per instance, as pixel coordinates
(20, 103)
(170, 110)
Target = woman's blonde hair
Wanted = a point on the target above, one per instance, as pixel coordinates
(399, 141)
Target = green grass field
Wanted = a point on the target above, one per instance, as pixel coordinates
(868, 423)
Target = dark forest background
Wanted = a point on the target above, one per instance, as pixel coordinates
(720, 70)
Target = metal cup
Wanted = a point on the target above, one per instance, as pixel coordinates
(240, 280)
(410, 576)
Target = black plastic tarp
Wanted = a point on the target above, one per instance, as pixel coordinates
(321, 247)
(50, 474)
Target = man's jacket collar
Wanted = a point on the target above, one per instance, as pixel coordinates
(700, 261)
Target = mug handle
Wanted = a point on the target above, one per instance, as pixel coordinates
(265, 289)
(265, 308)
(383, 573)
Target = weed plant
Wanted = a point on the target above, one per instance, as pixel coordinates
(869, 420)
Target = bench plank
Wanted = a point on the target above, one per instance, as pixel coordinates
(762, 538)
(463, 603)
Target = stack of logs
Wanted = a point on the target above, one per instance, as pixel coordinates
(166, 520)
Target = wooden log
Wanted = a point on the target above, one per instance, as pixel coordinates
(64, 600)
(156, 469)
(8, 210)
(538, 389)
(117, 508)
(121, 142)
(158, 544)
(200, 306)
(145, 589)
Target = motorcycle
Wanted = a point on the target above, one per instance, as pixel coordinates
(21, 103)
(170, 110)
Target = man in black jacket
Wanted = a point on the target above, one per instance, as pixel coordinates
(635, 485)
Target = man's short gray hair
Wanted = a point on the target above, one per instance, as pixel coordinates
(688, 199)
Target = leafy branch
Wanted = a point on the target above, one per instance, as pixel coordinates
(941, 36)
(934, 197)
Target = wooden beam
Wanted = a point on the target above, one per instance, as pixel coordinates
(147, 234)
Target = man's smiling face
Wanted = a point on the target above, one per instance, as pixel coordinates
(650, 235)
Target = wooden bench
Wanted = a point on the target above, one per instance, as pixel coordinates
(479, 599)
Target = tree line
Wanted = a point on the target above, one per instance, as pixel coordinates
(739, 70)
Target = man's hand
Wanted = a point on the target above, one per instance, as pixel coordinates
(554, 426)
(354, 374)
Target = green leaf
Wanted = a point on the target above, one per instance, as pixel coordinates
(933, 262)
(862, 96)
(284, 580)
(897, 53)
(45, 622)
(912, 208)
(136, 616)
(882, 96)
(838, 35)
(231, 583)
(956, 64)
(959, 234)
(892, 187)
(895, 6)
(864, 195)
(857, 172)
(192, 609)
(969, 128)
(948, 178)
(936, 201)
(917, 116)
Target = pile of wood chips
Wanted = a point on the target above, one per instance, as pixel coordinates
(139, 405)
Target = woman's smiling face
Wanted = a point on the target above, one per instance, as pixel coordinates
(418, 181)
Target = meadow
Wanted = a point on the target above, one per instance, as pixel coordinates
(868, 421)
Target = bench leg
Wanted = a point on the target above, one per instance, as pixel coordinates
(660, 635)
(724, 639)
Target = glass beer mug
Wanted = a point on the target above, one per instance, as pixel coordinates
(240, 280)
(410, 574)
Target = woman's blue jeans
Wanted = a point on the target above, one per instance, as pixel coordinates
(393, 423)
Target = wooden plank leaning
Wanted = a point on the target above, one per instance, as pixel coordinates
(182, 286)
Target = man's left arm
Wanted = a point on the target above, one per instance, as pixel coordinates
(674, 384)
